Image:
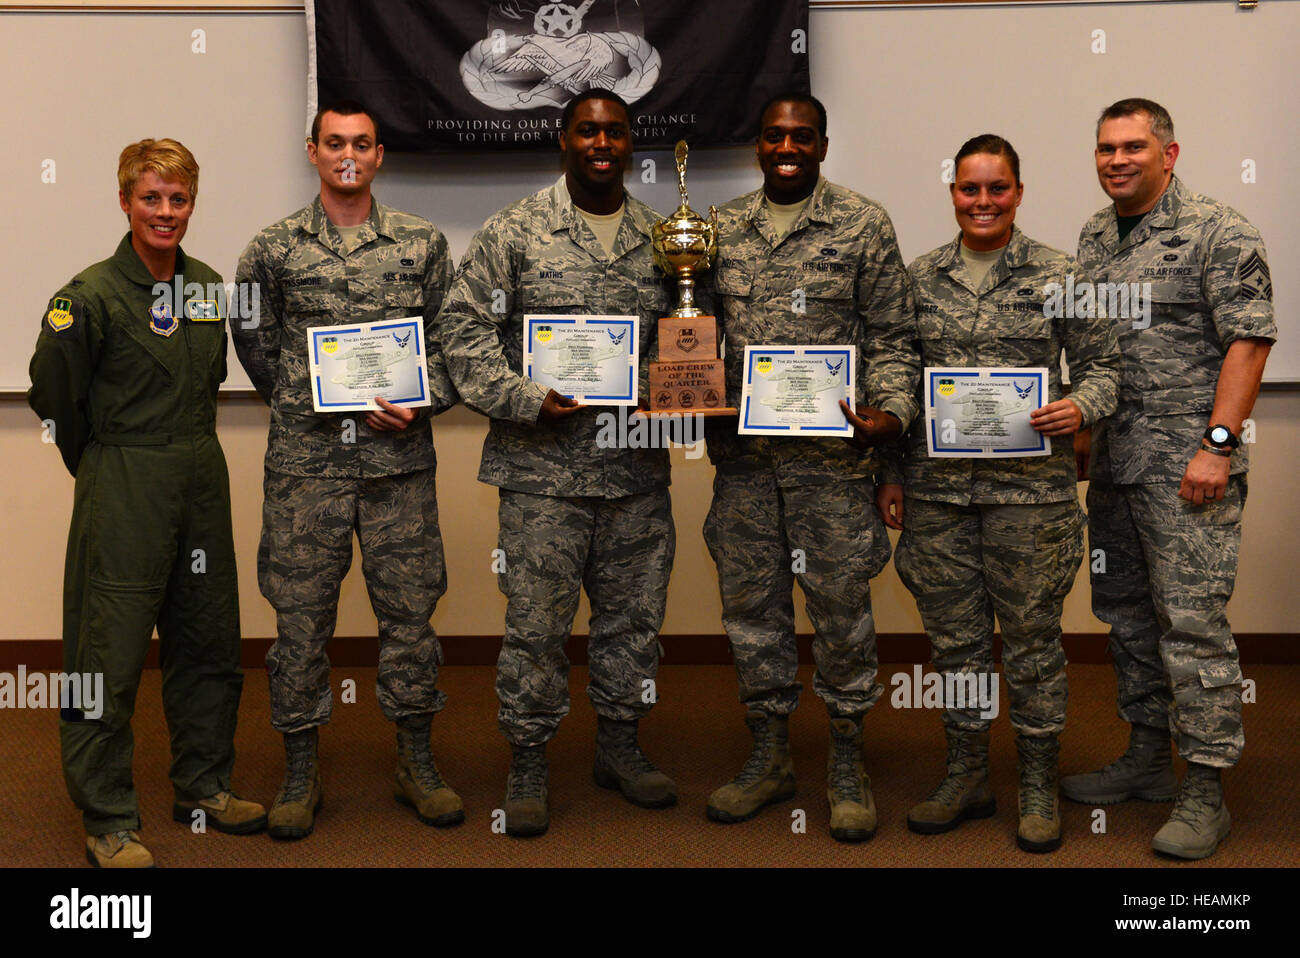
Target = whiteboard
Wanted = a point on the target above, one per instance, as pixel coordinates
(895, 80)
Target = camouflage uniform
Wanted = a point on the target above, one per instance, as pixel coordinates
(329, 473)
(772, 496)
(1170, 566)
(1004, 536)
(572, 514)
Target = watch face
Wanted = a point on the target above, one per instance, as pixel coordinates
(1219, 435)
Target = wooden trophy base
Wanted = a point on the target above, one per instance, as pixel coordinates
(688, 379)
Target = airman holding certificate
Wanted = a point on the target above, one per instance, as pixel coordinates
(991, 529)
(345, 285)
(575, 511)
(805, 263)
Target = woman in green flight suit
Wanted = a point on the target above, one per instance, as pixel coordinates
(130, 355)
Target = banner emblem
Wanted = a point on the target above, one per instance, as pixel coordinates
(547, 61)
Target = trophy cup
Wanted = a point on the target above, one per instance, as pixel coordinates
(689, 377)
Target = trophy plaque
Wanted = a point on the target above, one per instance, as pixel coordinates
(688, 377)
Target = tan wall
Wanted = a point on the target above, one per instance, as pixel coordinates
(36, 500)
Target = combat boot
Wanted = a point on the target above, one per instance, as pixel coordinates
(224, 811)
(1145, 771)
(293, 814)
(120, 849)
(1040, 810)
(766, 778)
(620, 764)
(418, 782)
(853, 810)
(1200, 818)
(964, 793)
(526, 812)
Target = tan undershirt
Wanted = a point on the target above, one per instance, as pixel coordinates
(605, 227)
(979, 263)
(784, 214)
(349, 236)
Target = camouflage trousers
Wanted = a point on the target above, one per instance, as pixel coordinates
(306, 550)
(621, 551)
(1170, 568)
(965, 564)
(762, 537)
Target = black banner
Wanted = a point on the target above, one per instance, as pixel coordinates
(495, 74)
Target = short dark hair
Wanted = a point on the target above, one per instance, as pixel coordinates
(343, 108)
(595, 93)
(1162, 124)
(805, 98)
(993, 144)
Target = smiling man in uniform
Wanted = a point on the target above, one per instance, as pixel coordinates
(805, 261)
(1168, 477)
(572, 514)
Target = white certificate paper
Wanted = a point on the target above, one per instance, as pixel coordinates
(350, 365)
(983, 412)
(796, 390)
(592, 359)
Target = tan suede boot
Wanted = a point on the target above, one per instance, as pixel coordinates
(418, 782)
(766, 778)
(1040, 810)
(294, 813)
(120, 849)
(620, 764)
(964, 793)
(526, 792)
(853, 810)
(1200, 819)
(224, 811)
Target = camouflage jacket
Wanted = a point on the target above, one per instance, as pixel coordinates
(540, 256)
(1004, 323)
(399, 268)
(1209, 285)
(836, 278)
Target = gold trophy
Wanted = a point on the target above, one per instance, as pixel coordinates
(689, 377)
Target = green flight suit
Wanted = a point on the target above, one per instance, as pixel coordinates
(128, 391)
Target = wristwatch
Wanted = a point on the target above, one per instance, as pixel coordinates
(1221, 437)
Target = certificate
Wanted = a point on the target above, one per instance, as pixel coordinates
(592, 359)
(351, 365)
(983, 412)
(796, 390)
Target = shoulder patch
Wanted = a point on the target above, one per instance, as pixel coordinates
(60, 315)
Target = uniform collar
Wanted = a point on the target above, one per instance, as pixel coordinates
(818, 210)
(378, 223)
(129, 264)
(633, 231)
(1014, 255)
(1164, 215)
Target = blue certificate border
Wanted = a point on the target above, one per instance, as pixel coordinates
(954, 374)
(756, 351)
(628, 395)
(318, 334)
